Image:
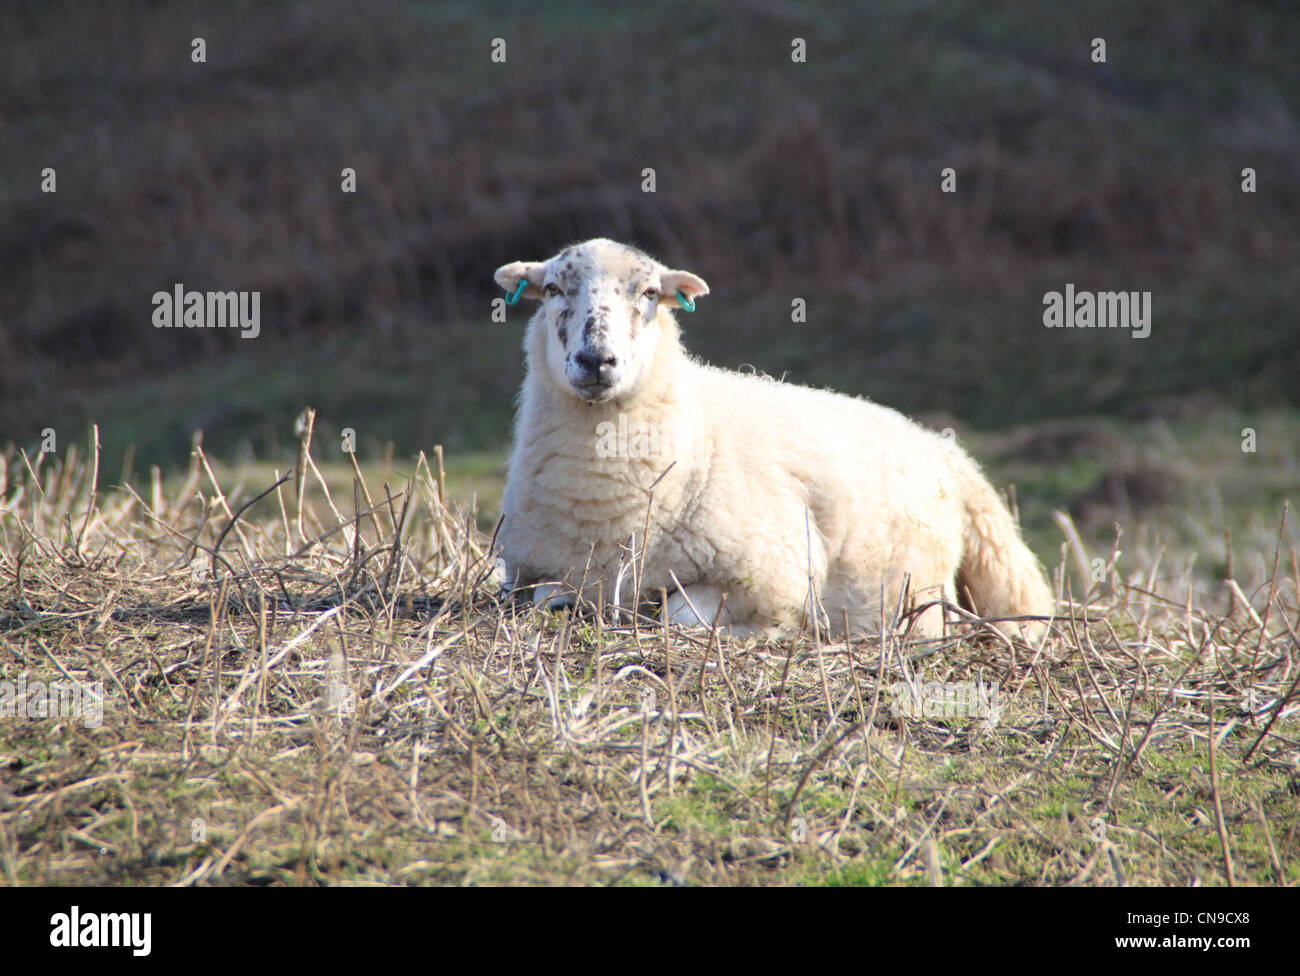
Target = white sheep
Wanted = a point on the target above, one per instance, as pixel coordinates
(783, 497)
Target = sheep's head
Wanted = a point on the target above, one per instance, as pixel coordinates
(601, 313)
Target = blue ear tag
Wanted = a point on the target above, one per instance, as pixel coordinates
(687, 303)
(514, 299)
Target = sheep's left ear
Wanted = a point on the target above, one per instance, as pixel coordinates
(508, 277)
(692, 286)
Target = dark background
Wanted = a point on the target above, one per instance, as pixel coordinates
(775, 180)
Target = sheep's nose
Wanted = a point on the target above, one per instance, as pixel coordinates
(592, 361)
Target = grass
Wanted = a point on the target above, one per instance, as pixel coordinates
(923, 355)
(817, 180)
(338, 694)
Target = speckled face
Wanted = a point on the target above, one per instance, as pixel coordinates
(600, 301)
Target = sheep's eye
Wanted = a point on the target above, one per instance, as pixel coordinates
(651, 293)
(552, 289)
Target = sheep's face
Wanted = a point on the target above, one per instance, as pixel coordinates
(600, 310)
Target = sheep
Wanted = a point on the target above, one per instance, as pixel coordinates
(630, 455)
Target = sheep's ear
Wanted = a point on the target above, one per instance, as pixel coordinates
(692, 286)
(509, 275)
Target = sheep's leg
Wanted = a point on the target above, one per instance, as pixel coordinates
(553, 596)
(705, 601)
(929, 625)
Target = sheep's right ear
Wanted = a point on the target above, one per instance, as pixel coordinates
(692, 286)
(509, 275)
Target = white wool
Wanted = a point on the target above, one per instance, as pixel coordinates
(766, 482)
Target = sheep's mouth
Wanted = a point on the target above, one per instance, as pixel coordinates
(594, 391)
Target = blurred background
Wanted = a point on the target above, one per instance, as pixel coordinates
(774, 180)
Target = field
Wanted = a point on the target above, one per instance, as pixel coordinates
(817, 180)
(318, 680)
(313, 685)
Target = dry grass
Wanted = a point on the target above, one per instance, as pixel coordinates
(331, 691)
(775, 180)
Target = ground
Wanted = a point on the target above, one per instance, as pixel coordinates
(292, 701)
